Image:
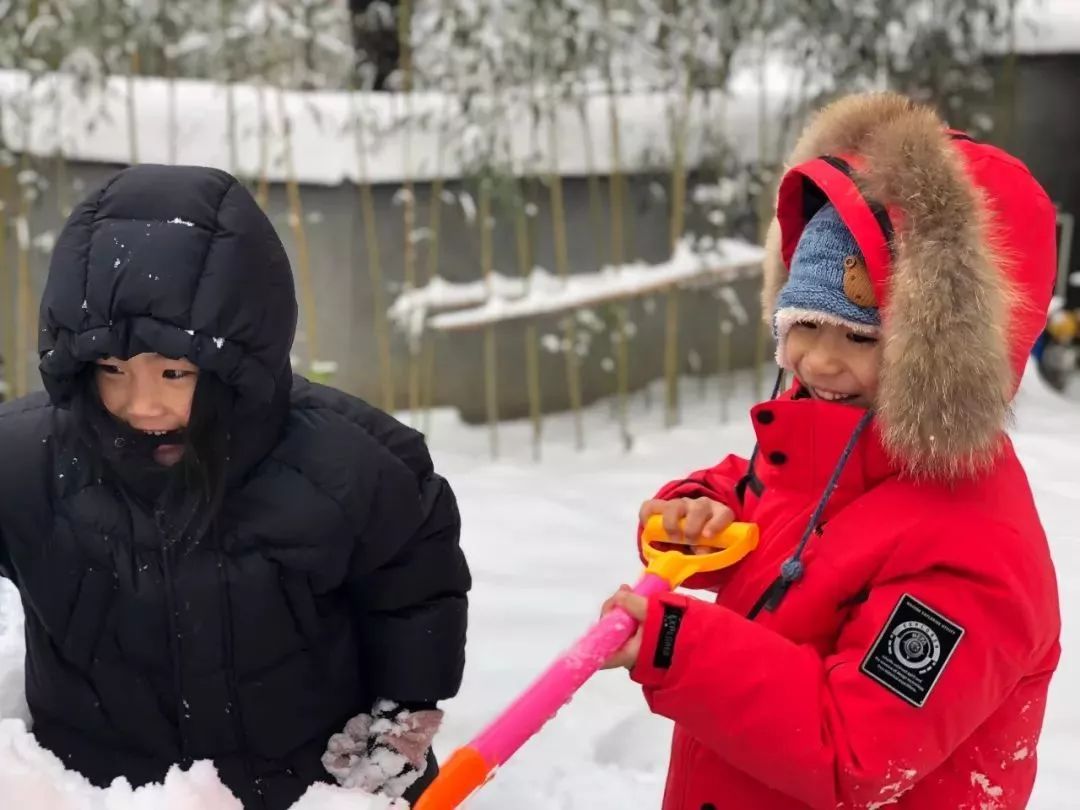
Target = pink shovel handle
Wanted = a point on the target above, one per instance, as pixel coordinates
(554, 688)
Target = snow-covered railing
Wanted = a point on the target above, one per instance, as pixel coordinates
(478, 304)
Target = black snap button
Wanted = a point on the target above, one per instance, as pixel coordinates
(119, 443)
(777, 457)
(766, 417)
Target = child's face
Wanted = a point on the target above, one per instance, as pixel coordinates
(151, 393)
(834, 363)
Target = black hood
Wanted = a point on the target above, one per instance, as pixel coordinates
(181, 261)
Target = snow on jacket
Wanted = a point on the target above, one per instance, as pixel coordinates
(908, 666)
(333, 574)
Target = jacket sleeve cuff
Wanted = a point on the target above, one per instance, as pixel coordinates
(659, 638)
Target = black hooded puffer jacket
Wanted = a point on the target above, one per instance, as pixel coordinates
(332, 575)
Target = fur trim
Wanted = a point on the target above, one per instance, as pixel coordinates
(945, 380)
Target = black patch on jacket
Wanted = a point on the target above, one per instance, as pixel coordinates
(911, 650)
(669, 629)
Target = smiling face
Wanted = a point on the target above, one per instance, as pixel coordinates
(150, 393)
(835, 363)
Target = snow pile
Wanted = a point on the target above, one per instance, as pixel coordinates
(506, 298)
(32, 778)
(547, 543)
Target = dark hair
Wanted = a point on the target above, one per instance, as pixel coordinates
(205, 462)
(186, 496)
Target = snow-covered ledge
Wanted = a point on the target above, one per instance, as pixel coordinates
(479, 303)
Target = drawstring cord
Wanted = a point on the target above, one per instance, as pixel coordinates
(793, 568)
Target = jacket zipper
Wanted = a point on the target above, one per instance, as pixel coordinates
(233, 710)
(174, 637)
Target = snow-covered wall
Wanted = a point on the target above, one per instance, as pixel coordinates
(187, 121)
(1048, 26)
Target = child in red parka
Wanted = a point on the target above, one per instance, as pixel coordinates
(891, 640)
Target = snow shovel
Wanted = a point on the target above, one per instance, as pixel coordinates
(472, 765)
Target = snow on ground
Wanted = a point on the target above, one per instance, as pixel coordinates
(547, 542)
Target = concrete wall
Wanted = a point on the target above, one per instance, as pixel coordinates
(344, 301)
(1046, 131)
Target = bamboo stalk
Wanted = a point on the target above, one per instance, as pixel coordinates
(169, 34)
(262, 194)
(7, 288)
(678, 215)
(26, 327)
(428, 366)
(375, 271)
(532, 343)
(132, 113)
(225, 9)
(427, 341)
(765, 212)
(409, 203)
(427, 349)
(618, 259)
(618, 250)
(1006, 94)
(63, 206)
(171, 117)
(723, 367)
(490, 349)
(562, 262)
(596, 208)
(759, 357)
(525, 242)
(296, 221)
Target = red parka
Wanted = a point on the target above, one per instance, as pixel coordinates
(906, 661)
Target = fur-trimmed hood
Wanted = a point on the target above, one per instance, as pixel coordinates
(960, 247)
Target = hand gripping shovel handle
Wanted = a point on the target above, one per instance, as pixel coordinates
(474, 764)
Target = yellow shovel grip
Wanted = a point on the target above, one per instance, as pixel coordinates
(733, 544)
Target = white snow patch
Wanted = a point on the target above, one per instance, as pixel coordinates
(1021, 754)
(178, 221)
(991, 790)
(45, 241)
(324, 367)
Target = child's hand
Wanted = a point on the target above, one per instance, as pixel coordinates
(703, 518)
(636, 606)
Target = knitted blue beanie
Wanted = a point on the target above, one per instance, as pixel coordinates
(827, 282)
